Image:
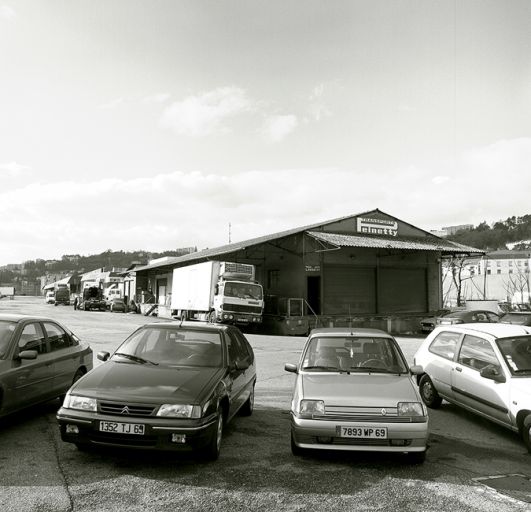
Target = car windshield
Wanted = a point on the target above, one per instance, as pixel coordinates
(517, 353)
(353, 353)
(243, 290)
(172, 346)
(6, 331)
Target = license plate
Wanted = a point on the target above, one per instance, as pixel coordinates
(361, 432)
(122, 428)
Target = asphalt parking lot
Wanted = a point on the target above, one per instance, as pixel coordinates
(256, 470)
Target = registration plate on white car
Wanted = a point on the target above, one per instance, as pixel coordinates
(122, 428)
(361, 432)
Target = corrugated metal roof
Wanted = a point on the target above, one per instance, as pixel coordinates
(237, 246)
(369, 242)
(206, 254)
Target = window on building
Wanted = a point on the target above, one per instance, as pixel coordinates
(498, 271)
(488, 271)
(273, 278)
(510, 271)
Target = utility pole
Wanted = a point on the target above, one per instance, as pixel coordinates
(229, 233)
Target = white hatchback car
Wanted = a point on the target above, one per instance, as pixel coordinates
(484, 368)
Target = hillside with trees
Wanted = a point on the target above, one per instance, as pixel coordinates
(491, 238)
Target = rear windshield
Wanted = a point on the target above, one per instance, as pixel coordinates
(335, 353)
(6, 332)
(515, 319)
(173, 347)
(517, 353)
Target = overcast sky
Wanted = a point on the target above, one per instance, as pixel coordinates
(141, 124)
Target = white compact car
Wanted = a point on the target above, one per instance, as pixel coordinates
(484, 368)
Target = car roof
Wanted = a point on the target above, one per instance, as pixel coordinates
(202, 326)
(518, 313)
(498, 330)
(12, 317)
(349, 331)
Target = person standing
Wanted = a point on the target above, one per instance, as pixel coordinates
(76, 300)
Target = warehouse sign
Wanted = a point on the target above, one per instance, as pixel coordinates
(377, 226)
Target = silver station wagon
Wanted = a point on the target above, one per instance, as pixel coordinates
(355, 391)
(484, 368)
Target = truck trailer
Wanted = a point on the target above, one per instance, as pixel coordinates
(217, 291)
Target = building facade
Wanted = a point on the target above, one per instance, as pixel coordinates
(371, 268)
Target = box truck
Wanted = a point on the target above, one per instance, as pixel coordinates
(217, 291)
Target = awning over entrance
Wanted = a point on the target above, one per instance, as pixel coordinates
(427, 244)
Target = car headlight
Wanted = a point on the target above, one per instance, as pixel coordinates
(410, 409)
(309, 408)
(80, 403)
(179, 411)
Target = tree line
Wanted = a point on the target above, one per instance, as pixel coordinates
(490, 238)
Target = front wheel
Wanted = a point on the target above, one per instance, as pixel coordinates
(213, 449)
(248, 407)
(428, 393)
(526, 432)
(417, 457)
(296, 450)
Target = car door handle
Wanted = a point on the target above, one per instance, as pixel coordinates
(459, 369)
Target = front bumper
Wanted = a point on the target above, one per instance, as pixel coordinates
(158, 432)
(322, 435)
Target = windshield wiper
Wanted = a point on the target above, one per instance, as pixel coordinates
(319, 367)
(135, 358)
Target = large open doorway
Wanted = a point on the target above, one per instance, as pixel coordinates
(313, 292)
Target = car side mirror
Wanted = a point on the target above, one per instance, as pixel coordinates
(289, 367)
(492, 373)
(28, 354)
(416, 369)
(103, 355)
(240, 365)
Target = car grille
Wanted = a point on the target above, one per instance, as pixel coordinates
(126, 409)
(306, 439)
(365, 414)
(123, 439)
(241, 308)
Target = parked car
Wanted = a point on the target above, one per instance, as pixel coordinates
(50, 297)
(116, 305)
(355, 391)
(484, 368)
(39, 360)
(516, 317)
(428, 324)
(168, 386)
(464, 316)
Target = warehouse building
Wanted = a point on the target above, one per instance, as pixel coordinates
(369, 269)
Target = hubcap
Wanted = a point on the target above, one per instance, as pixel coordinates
(220, 431)
(428, 392)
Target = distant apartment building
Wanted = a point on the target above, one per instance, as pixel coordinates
(502, 275)
(452, 230)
